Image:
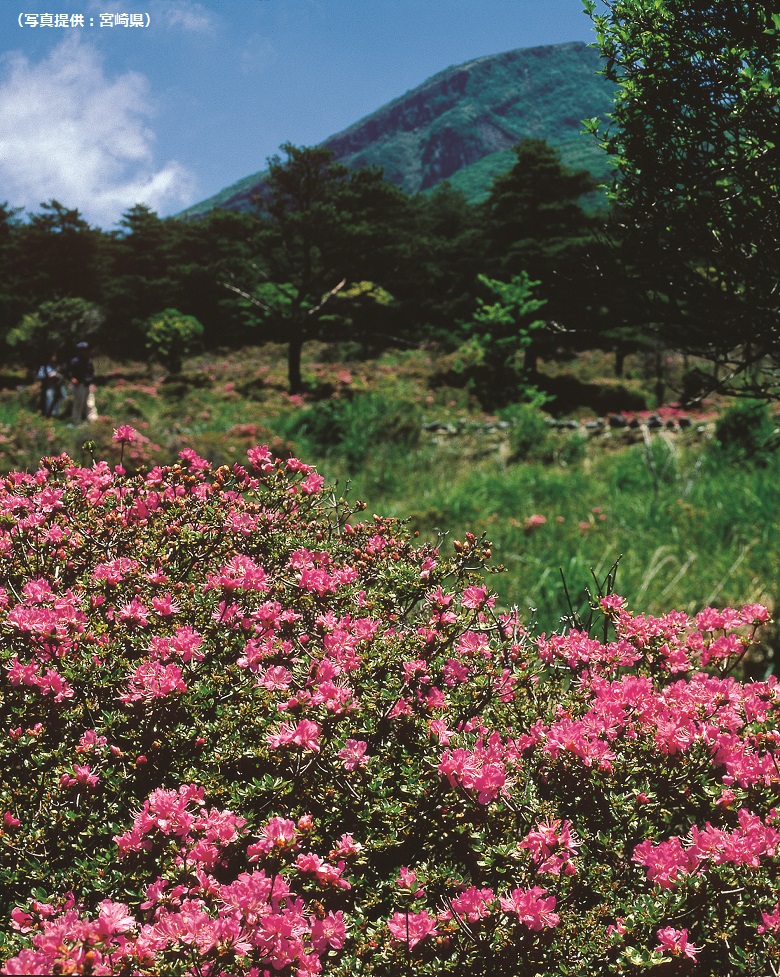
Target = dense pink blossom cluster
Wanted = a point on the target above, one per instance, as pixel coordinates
(257, 917)
(747, 844)
(255, 735)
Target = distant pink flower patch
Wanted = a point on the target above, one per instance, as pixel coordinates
(533, 522)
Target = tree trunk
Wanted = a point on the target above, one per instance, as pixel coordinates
(294, 348)
(660, 387)
(531, 359)
(620, 361)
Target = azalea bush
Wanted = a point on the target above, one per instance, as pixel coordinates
(248, 728)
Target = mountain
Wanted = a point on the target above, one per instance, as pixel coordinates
(461, 124)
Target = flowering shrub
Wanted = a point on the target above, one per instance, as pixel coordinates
(247, 730)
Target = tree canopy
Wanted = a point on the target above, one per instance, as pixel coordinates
(694, 136)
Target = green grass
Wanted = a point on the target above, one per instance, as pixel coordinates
(704, 536)
(690, 526)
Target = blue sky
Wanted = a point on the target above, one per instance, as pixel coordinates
(102, 117)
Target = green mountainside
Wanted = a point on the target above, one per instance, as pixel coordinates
(460, 124)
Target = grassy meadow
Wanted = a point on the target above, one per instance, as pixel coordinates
(691, 524)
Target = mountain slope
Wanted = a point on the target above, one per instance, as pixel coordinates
(460, 124)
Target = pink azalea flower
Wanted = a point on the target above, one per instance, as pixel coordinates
(152, 680)
(676, 943)
(260, 457)
(90, 740)
(328, 932)
(474, 903)
(280, 834)
(666, 861)
(531, 908)
(124, 434)
(346, 846)
(770, 921)
(411, 928)
(353, 754)
(407, 880)
(475, 598)
(312, 484)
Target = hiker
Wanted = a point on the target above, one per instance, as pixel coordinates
(82, 376)
(51, 387)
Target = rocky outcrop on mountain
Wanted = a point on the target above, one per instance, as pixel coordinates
(460, 124)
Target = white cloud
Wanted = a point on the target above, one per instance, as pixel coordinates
(183, 14)
(69, 132)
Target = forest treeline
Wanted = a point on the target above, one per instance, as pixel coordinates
(687, 258)
(332, 253)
